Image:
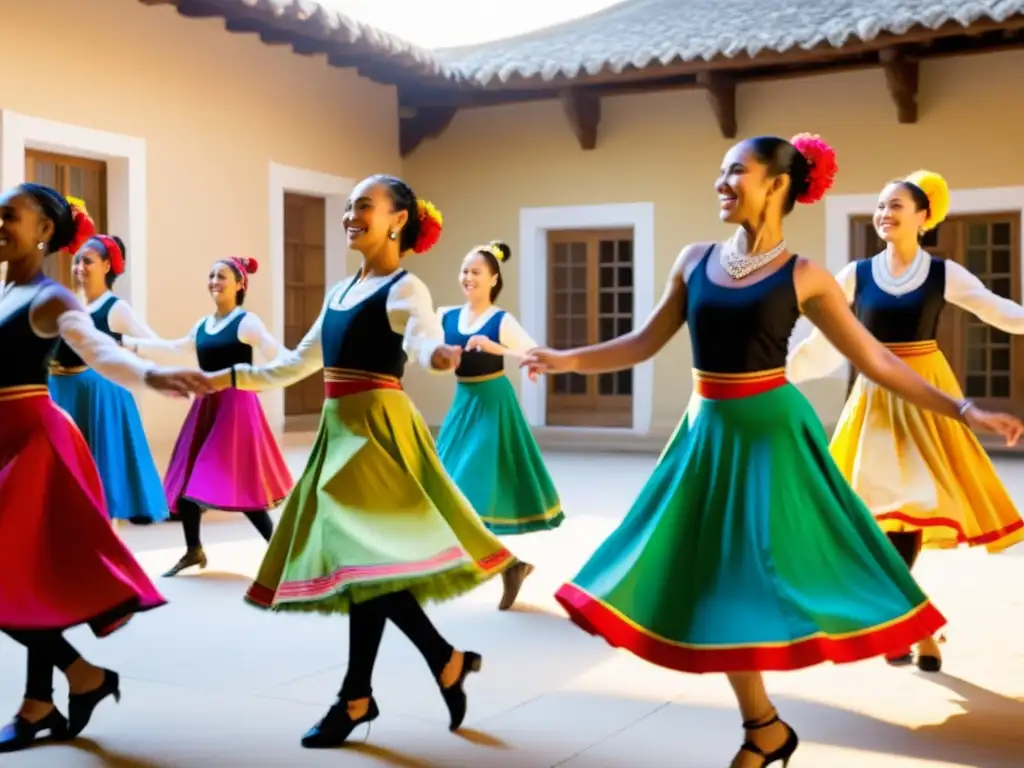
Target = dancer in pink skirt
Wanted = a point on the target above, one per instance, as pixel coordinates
(225, 457)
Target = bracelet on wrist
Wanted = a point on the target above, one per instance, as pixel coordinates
(965, 406)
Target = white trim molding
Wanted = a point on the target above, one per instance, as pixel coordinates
(335, 191)
(839, 209)
(534, 225)
(125, 157)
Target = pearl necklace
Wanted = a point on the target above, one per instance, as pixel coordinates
(738, 263)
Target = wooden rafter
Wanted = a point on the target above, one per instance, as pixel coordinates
(425, 123)
(902, 73)
(721, 91)
(583, 110)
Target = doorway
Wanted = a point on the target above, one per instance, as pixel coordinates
(304, 288)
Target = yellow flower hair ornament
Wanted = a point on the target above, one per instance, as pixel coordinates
(936, 190)
(494, 250)
(431, 224)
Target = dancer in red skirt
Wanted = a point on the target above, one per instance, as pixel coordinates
(61, 564)
(226, 456)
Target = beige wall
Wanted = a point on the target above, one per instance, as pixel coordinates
(215, 110)
(665, 148)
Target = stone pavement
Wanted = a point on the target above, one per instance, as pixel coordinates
(209, 682)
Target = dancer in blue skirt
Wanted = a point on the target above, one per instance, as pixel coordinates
(106, 412)
(485, 443)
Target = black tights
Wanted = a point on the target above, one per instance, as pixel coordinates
(46, 649)
(908, 544)
(366, 628)
(191, 514)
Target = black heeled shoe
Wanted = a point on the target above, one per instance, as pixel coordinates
(21, 734)
(192, 556)
(455, 694)
(336, 726)
(82, 705)
(512, 579)
(929, 663)
(783, 753)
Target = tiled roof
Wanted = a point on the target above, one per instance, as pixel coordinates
(644, 33)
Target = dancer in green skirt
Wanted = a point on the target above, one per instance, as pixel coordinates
(747, 550)
(375, 526)
(485, 443)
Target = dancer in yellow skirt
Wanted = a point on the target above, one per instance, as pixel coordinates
(927, 480)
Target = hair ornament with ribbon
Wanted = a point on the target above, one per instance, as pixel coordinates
(936, 190)
(85, 227)
(822, 166)
(431, 223)
(114, 253)
(246, 265)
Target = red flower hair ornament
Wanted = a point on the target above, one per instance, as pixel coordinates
(85, 227)
(821, 159)
(431, 224)
(246, 265)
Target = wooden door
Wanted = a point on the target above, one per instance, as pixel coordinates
(590, 300)
(73, 177)
(304, 270)
(988, 363)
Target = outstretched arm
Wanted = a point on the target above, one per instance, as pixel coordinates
(632, 348)
(513, 340)
(122, 319)
(815, 356)
(823, 302)
(153, 346)
(966, 291)
(411, 313)
(253, 332)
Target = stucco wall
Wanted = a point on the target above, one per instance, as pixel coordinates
(665, 148)
(215, 109)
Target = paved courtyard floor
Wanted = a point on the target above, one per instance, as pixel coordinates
(209, 682)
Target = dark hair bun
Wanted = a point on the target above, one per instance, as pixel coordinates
(120, 244)
(506, 252)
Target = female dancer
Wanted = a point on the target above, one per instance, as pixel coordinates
(927, 480)
(105, 412)
(485, 443)
(375, 527)
(746, 550)
(62, 564)
(226, 456)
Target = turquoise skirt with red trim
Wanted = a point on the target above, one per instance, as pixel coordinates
(747, 550)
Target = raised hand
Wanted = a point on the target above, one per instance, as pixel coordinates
(446, 358)
(543, 361)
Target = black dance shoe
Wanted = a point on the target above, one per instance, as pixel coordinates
(455, 694)
(193, 556)
(336, 726)
(783, 754)
(82, 705)
(21, 734)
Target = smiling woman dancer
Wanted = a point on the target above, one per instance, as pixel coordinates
(485, 443)
(747, 551)
(927, 480)
(61, 564)
(375, 527)
(106, 412)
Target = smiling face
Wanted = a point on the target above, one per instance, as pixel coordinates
(742, 186)
(370, 217)
(223, 284)
(89, 269)
(897, 218)
(22, 226)
(476, 277)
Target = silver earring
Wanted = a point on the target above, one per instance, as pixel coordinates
(39, 246)
(392, 235)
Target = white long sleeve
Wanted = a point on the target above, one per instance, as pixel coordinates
(154, 346)
(411, 313)
(288, 366)
(100, 352)
(815, 357)
(253, 332)
(122, 319)
(966, 291)
(514, 337)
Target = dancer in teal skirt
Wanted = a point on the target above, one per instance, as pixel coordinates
(746, 550)
(485, 443)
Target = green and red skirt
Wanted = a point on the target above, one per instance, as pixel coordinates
(747, 550)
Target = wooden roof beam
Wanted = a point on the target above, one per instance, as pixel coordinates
(902, 74)
(197, 9)
(583, 109)
(426, 123)
(721, 91)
